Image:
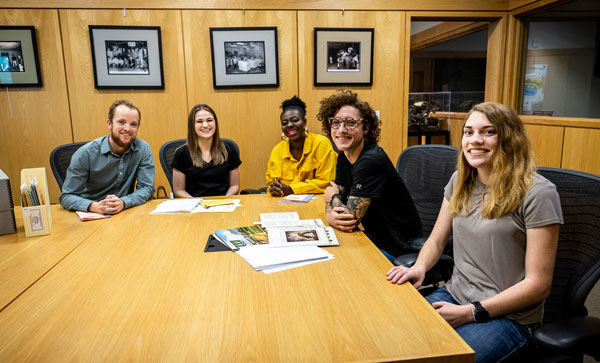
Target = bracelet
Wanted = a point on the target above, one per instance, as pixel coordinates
(333, 197)
(473, 311)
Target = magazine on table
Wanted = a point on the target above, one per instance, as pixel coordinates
(309, 235)
(235, 238)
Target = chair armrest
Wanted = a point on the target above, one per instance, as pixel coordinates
(254, 191)
(406, 260)
(415, 245)
(576, 335)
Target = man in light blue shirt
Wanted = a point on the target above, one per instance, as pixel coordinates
(103, 173)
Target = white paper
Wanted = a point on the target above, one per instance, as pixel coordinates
(182, 205)
(218, 209)
(261, 256)
(294, 264)
(288, 219)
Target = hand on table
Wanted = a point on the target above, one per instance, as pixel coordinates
(400, 274)
(109, 205)
(341, 219)
(278, 189)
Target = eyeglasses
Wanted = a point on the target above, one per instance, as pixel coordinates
(349, 123)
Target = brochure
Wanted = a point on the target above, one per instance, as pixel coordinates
(235, 238)
(302, 236)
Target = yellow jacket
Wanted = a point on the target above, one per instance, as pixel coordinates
(312, 173)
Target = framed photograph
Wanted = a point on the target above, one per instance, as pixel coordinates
(127, 57)
(343, 56)
(19, 62)
(244, 57)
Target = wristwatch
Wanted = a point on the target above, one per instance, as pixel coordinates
(333, 197)
(480, 314)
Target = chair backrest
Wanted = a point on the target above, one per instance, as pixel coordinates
(425, 170)
(167, 153)
(60, 159)
(577, 267)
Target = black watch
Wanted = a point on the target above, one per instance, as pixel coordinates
(480, 314)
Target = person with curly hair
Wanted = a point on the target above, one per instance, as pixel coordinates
(367, 188)
(504, 219)
(302, 162)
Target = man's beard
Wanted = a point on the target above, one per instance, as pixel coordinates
(117, 141)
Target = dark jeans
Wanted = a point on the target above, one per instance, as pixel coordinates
(492, 341)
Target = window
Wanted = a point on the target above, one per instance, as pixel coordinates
(562, 74)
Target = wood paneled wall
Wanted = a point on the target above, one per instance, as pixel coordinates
(571, 147)
(248, 116)
(388, 58)
(458, 5)
(163, 111)
(35, 120)
(68, 108)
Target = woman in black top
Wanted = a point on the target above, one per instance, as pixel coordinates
(206, 164)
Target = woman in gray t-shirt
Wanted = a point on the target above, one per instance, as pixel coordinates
(504, 219)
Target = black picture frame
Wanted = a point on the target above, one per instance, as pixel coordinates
(19, 60)
(127, 57)
(343, 56)
(244, 57)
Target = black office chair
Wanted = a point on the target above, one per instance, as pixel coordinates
(60, 159)
(425, 170)
(167, 153)
(568, 333)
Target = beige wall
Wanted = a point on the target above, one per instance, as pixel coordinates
(250, 117)
(164, 112)
(34, 120)
(68, 108)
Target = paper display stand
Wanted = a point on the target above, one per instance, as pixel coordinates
(37, 220)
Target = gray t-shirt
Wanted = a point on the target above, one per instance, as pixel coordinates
(489, 254)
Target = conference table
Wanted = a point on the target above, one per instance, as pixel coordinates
(139, 287)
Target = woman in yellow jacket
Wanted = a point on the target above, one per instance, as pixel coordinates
(303, 162)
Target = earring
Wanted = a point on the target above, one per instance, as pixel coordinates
(283, 137)
(306, 129)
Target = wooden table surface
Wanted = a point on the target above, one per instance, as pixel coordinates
(139, 287)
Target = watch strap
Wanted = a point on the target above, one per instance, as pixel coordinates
(480, 314)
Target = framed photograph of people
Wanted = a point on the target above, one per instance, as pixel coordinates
(343, 56)
(244, 57)
(127, 57)
(19, 62)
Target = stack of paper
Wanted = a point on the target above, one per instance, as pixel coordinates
(263, 258)
(189, 205)
(217, 206)
(183, 205)
(290, 219)
(297, 198)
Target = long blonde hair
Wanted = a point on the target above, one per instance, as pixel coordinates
(218, 151)
(512, 171)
